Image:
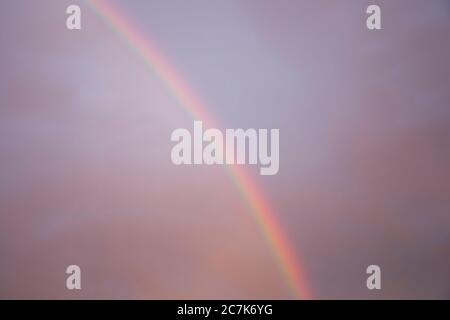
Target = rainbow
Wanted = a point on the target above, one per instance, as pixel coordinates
(251, 193)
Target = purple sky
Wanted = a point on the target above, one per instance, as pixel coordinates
(85, 170)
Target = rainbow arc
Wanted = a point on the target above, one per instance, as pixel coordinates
(252, 194)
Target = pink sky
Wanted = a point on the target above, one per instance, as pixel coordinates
(85, 169)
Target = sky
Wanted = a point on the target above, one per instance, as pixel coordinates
(85, 170)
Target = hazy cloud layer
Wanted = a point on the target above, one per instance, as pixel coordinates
(85, 169)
